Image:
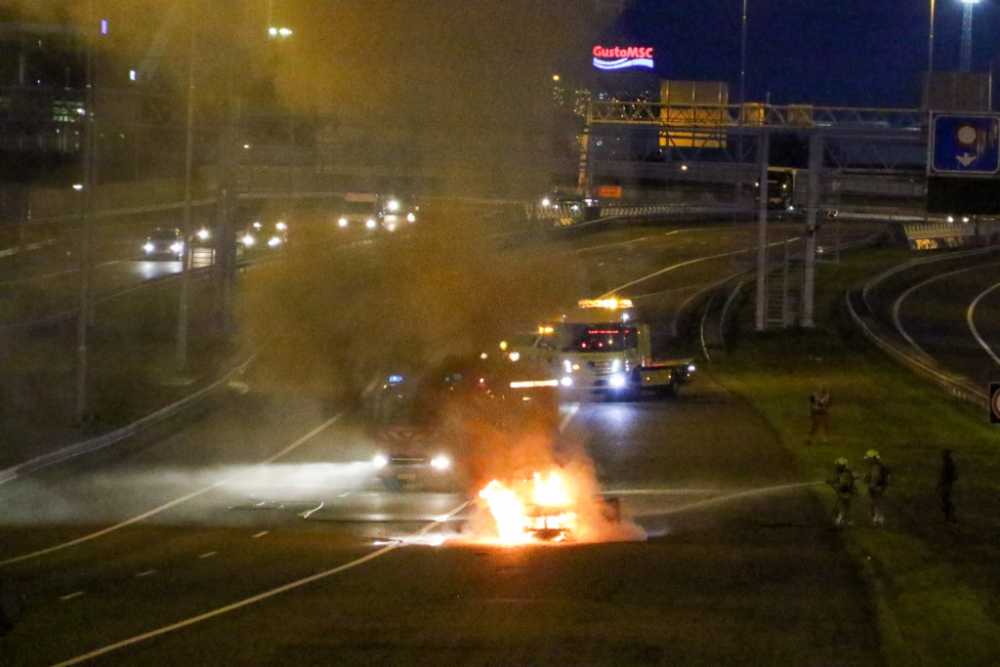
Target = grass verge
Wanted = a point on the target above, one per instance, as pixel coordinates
(937, 585)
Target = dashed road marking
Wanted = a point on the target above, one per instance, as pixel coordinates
(260, 534)
(208, 555)
(256, 598)
(71, 596)
(145, 574)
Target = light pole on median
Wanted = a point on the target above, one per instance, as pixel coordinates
(930, 42)
(966, 54)
(186, 254)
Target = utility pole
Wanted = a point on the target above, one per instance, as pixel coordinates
(186, 257)
(763, 158)
(809, 279)
(83, 259)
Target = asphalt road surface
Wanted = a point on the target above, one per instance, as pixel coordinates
(257, 535)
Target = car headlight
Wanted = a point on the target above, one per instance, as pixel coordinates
(410, 217)
(178, 247)
(342, 222)
(441, 463)
(617, 381)
(281, 226)
(149, 247)
(370, 223)
(566, 381)
(393, 205)
(274, 241)
(380, 461)
(249, 240)
(546, 202)
(204, 234)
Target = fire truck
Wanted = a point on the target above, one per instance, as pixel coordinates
(600, 347)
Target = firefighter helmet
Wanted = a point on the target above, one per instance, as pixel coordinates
(871, 455)
(840, 463)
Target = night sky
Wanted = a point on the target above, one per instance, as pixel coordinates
(868, 53)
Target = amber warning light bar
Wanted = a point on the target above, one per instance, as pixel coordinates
(610, 304)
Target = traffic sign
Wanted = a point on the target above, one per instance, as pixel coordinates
(965, 144)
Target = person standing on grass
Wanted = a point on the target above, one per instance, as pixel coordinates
(819, 413)
(949, 473)
(877, 479)
(843, 485)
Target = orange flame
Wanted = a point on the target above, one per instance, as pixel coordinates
(531, 510)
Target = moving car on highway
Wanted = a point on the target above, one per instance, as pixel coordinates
(164, 244)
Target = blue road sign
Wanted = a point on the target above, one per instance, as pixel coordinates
(965, 144)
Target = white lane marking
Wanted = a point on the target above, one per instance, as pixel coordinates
(260, 534)
(305, 515)
(259, 597)
(898, 304)
(601, 247)
(681, 265)
(71, 596)
(208, 555)
(176, 501)
(972, 327)
(145, 574)
(344, 494)
(570, 413)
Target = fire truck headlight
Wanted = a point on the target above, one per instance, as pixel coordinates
(566, 381)
(617, 381)
(148, 247)
(380, 461)
(440, 463)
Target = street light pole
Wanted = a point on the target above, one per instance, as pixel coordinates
(86, 188)
(930, 42)
(186, 255)
(966, 59)
(743, 64)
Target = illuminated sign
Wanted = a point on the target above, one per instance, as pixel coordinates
(615, 58)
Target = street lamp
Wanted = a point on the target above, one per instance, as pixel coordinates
(967, 34)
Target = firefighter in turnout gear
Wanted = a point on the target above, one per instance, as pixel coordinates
(843, 485)
(877, 479)
(819, 414)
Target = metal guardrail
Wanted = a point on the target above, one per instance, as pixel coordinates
(123, 433)
(566, 215)
(861, 312)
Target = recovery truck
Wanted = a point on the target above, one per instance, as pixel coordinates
(600, 347)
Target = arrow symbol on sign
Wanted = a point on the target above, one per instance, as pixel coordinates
(967, 159)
